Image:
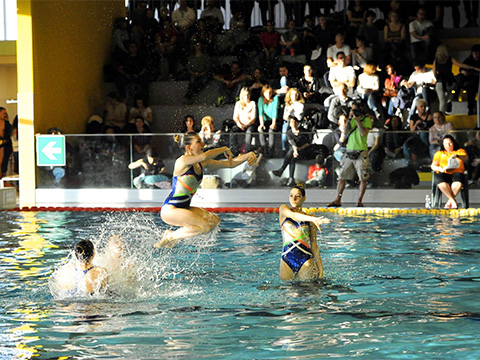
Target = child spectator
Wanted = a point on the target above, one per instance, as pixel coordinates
(317, 172)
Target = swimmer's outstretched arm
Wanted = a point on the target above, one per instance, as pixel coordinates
(185, 161)
(285, 211)
(219, 164)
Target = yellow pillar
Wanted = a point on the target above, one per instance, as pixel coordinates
(26, 138)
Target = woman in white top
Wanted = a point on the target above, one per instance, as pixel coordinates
(294, 106)
(140, 109)
(368, 86)
(244, 115)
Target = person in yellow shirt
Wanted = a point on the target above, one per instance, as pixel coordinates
(448, 164)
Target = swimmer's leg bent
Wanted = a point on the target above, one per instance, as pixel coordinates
(193, 221)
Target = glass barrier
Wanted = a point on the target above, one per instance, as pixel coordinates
(102, 161)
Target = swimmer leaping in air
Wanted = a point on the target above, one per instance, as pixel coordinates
(187, 176)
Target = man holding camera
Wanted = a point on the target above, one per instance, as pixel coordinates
(355, 160)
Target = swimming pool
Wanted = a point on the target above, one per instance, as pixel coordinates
(397, 287)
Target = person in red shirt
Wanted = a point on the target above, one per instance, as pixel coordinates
(270, 41)
(317, 172)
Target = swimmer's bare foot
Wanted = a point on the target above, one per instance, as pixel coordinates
(166, 241)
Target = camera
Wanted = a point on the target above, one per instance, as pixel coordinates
(357, 113)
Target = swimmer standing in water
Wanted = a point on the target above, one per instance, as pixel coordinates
(187, 176)
(300, 256)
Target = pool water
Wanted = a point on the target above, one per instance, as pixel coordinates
(396, 287)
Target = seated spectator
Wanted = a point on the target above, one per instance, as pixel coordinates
(244, 115)
(367, 89)
(472, 148)
(236, 40)
(188, 125)
(334, 50)
(395, 36)
(325, 37)
(284, 82)
(362, 54)
(256, 83)
(448, 164)
(341, 74)
(390, 88)
(166, 45)
(438, 131)
(442, 68)
(202, 34)
(230, 84)
(312, 88)
(208, 134)
(115, 112)
(132, 70)
(309, 38)
(270, 41)
(294, 107)
(468, 79)
(198, 67)
(415, 148)
(301, 147)
(268, 105)
(141, 143)
(338, 106)
(94, 125)
(394, 138)
(139, 108)
(290, 40)
(317, 172)
(6, 147)
(420, 37)
(150, 30)
(153, 171)
(422, 82)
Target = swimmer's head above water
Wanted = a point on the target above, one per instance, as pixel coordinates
(297, 195)
(84, 251)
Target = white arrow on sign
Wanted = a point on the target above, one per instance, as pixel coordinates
(49, 150)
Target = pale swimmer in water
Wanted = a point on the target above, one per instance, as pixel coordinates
(80, 277)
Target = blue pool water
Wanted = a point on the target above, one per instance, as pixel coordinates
(403, 287)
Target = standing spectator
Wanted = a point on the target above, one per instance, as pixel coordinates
(230, 84)
(355, 17)
(468, 79)
(266, 8)
(356, 159)
(184, 18)
(166, 43)
(198, 67)
(289, 40)
(139, 19)
(295, 10)
(6, 147)
(420, 36)
(294, 107)
(442, 68)
(471, 11)
(270, 40)
(212, 11)
(115, 112)
(268, 105)
(244, 115)
(437, 132)
(121, 38)
(132, 70)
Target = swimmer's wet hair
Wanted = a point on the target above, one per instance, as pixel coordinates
(185, 139)
(301, 187)
(84, 250)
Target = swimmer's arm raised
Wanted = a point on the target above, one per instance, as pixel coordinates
(186, 161)
(219, 164)
(285, 211)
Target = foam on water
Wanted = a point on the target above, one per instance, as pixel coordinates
(136, 270)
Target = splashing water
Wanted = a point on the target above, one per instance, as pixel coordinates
(136, 270)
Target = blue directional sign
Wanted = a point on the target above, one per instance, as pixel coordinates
(50, 150)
